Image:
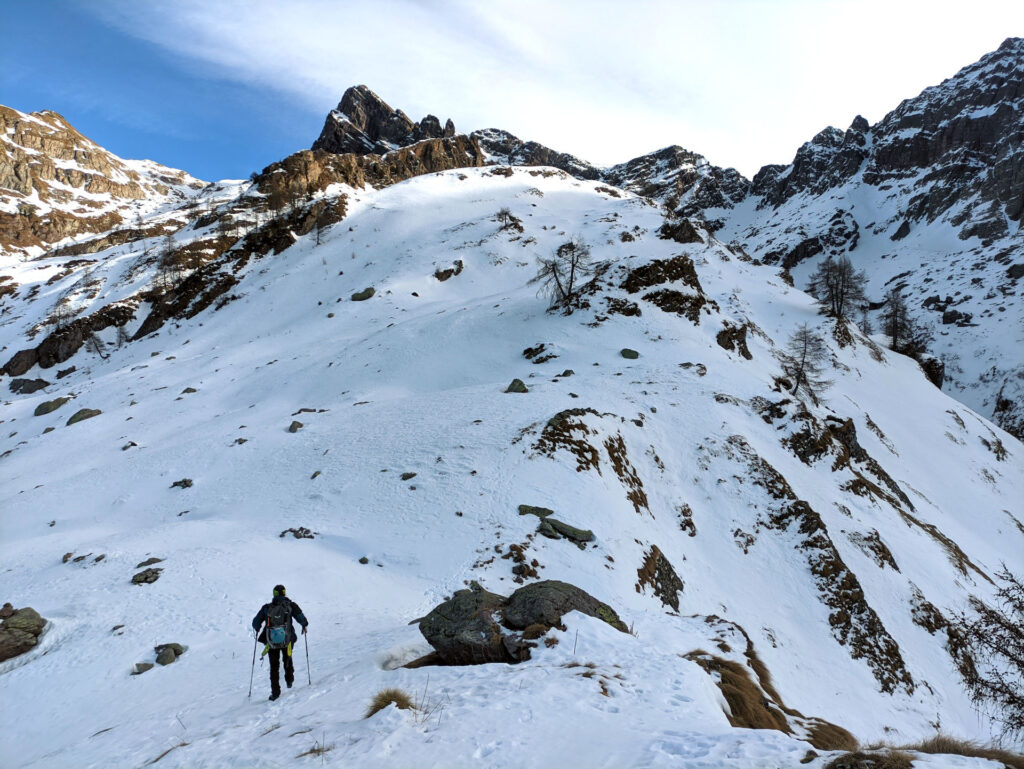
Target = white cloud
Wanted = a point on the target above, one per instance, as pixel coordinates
(744, 82)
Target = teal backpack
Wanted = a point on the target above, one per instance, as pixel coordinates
(279, 617)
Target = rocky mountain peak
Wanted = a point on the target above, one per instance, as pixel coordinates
(363, 123)
(684, 181)
(56, 183)
(942, 176)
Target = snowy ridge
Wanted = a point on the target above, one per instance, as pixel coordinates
(690, 449)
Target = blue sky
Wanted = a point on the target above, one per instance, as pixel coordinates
(142, 100)
(224, 87)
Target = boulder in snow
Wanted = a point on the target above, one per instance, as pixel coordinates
(83, 414)
(475, 626)
(19, 630)
(48, 406)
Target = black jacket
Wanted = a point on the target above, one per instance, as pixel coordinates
(260, 620)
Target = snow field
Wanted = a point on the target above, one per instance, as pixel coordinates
(414, 384)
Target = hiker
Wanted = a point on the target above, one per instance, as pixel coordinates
(278, 634)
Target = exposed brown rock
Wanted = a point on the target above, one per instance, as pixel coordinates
(657, 574)
(43, 150)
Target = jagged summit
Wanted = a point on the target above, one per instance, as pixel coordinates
(364, 123)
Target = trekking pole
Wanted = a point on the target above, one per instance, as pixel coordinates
(253, 670)
(308, 677)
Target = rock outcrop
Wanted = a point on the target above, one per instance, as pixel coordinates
(19, 630)
(502, 148)
(685, 182)
(476, 626)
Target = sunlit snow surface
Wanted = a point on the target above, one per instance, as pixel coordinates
(415, 384)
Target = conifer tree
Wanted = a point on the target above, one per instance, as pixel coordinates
(803, 362)
(837, 286)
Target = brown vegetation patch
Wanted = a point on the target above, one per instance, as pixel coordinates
(734, 338)
(878, 433)
(522, 568)
(616, 448)
(841, 333)
(925, 614)
(748, 706)
(946, 745)
(686, 520)
(827, 736)
(873, 546)
(657, 573)
(669, 300)
(625, 307)
(385, 697)
(565, 430)
(956, 556)
(7, 286)
(678, 268)
(837, 438)
(885, 759)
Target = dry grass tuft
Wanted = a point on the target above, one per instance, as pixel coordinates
(757, 704)
(748, 705)
(173, 747)
(943, 743)
(890, 758)
(318, 749)
(385, 697)
(827, 736)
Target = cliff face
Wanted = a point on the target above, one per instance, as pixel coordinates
(314, 170)
(959, 141)
(55, 183)
(929, 201)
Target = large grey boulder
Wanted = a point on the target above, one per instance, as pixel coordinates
(475, 626)
(19, 630)
(544, 603)
(464, 630)
(556, 529)
(27, 386)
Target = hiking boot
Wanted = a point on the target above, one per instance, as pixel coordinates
(288, 684)
(274, 696)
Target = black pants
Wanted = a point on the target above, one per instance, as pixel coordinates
(275, 666)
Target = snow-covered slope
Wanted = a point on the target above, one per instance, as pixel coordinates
(56, 184)
(831, 539)
(930, 200)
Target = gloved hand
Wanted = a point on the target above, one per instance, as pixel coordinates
(303, 630)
